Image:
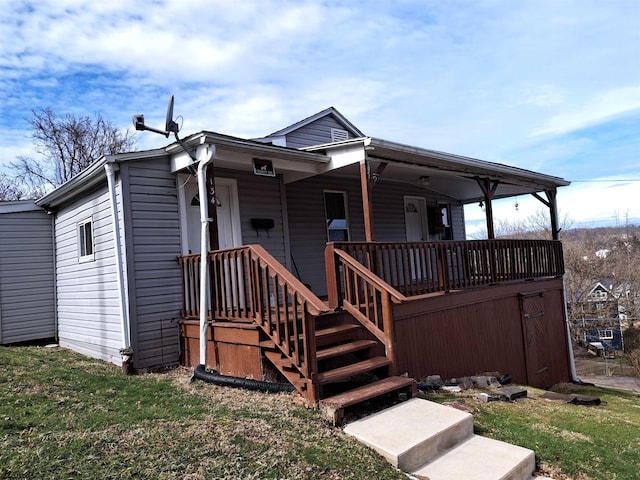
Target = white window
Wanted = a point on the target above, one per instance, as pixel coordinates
(605, 334)
(85, 240)
(335, 206)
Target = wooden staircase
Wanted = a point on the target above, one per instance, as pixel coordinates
(350, 369)
(333, 358)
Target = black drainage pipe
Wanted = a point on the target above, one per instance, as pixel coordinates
(201, 373)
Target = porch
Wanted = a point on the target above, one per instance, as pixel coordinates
(395, 312)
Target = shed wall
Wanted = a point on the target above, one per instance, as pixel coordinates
(152, 226)
(27, 297)
(87, 293)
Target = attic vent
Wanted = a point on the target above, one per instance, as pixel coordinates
(338, 135)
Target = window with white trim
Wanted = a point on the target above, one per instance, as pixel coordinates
(605, 334)
(335, 207)
(85, 240)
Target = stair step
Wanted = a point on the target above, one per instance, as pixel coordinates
(366, 392)
(337, 333)
(344, 349)
(481, 458)
(413, 432)
(342, 373)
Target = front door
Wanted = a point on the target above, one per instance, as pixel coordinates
(227, 211)
(415, 219)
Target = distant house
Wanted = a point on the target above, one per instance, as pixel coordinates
(27, 294)
(337, 255)
(602, 336)
(604, 299)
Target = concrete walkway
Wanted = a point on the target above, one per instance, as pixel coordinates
(614, 381)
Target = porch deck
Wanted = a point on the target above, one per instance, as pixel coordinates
(383, 298)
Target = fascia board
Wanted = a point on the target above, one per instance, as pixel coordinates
(18, 206)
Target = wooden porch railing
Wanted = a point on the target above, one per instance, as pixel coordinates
(428, 267)
(249, 285)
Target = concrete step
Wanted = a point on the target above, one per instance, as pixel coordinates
(413, 432)
(481, 458)
(436, 442)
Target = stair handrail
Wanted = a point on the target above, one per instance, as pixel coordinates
(374, 279)
(317, 305)
(249, 285)
(285, 309)
(366, 296)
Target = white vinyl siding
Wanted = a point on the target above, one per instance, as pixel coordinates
(27, 299)
(87, 293)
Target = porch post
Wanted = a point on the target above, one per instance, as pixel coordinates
(488, 190)
(366, 201)
(367, 182)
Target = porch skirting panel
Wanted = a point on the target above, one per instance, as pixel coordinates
(517, 329)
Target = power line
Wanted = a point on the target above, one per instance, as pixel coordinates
(607, 181)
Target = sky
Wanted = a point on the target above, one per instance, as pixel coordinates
(551, 86)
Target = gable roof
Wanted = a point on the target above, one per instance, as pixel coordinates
(350, 127)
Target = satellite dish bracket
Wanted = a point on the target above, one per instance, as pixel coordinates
(170, 126)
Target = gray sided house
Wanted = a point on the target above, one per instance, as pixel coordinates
(27, 294)
(317, 225)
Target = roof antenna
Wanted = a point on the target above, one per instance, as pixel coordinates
(169, 126)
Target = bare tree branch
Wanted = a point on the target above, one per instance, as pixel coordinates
(66, 145)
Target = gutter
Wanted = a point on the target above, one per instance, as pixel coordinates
(126, 351)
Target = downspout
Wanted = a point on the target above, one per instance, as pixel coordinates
(205, 156)
(126, 351)
(572, 361)
(55, 276)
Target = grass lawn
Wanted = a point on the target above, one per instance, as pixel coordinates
(571, 441)
(64, 416)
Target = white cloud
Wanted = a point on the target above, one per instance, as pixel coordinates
(598, 109)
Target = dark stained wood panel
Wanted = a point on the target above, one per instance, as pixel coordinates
(465, 334)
